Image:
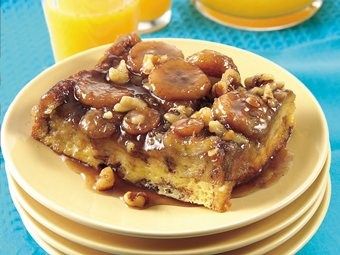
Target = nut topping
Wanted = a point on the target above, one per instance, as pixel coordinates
(203, 114)
(120, 74)
(150, 61)
(177, 113)
(106, 179)
(258, 80)
(108, 115)
(129, 103)
(216, 127)
(135, 199)
(230, 81)
(253, 101)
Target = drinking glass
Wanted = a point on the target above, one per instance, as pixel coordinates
(76, 25)
(154, 15)
(258, 15)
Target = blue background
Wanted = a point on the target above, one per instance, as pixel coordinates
(311, 51)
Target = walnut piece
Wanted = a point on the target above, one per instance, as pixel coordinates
(119, 74)
(216, 127)
(150, 60)
(230, 80)
(108, 115)
(135, 199)
(177, 113)
(106, 179)
(258, 80)
(128, 103)
(204, 114)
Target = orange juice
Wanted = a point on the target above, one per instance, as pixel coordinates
(256, 8)
(153, 9)
(76, 25)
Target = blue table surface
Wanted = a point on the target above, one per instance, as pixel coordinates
(311, 51)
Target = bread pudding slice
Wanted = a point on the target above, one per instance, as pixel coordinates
(185, 128)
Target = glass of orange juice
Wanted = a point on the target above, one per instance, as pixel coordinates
(154, 15)
(258, 15)
(76, 25)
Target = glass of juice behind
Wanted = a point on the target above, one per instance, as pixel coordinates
(260, 15)
(77, 25)
(154, 15)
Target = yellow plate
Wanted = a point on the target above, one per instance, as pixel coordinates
(308, 224)
(118, 244)
(43, 175)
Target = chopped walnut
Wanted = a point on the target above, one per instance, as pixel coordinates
(216, 127)
(171, 117)
(204, 114)
(257, 91)
(130, 146)
(227, 135)
(253, 101)
(212, 152)
(220, 88)
(231, 75)
(150, 60)
(270, 91)
(229, 81)
(177, 113)
(185, 110)
(108, 115)
(119, 74)
(128, 103)
(258, 80)
(230, 135)
(267, 93)
(135, 199)
(106, 179)
(137, 119)
(272, 102)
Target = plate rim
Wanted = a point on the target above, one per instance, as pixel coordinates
(322, 205)
(306, 238)
(226, 247)
(99, 225)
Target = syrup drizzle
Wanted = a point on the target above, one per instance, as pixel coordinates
(269, 175)
(90, 175)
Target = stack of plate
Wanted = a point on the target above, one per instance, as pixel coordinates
(64, 216)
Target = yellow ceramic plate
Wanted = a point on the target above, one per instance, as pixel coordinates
(217, 243)
(295, 243)
(311, 220)
(43, 175)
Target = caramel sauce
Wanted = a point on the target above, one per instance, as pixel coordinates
(270, 174)
(90, 175)
(277, 167)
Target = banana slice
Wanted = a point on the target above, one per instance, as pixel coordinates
(156, 48)
(99, 94)
(177, 79)
(95, 126)
(118, 51)
(243, 112)
(138, 122)
(188, 127)
(212, 63)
